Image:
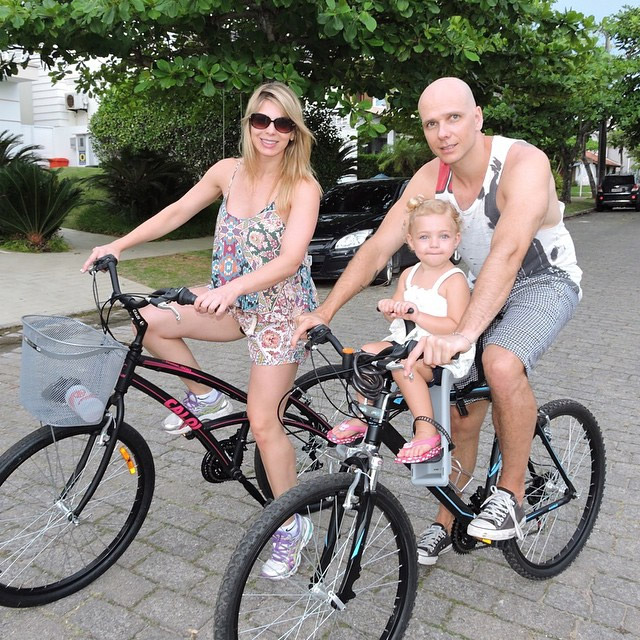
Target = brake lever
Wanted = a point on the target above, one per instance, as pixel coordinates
(169, 307)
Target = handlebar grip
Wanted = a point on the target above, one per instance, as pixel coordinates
(185, 296)
(409, 310)
(321, 334)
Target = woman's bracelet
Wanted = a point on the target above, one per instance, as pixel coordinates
(457, 333)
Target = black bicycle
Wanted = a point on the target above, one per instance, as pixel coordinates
(358, 574)
(73, 496)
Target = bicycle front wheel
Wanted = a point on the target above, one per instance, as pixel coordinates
(554, 538)
(47, 549)
(325, 392)
(307, 604)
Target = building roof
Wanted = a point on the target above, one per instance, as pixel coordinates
(592, 156)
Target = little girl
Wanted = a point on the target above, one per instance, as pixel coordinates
(434, 295)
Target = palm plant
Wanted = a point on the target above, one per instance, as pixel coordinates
(404, 158)
(11, 149)
(34, 201)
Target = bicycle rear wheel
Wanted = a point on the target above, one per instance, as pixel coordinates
(324, 391)
(553, 539)
(305, 605)
(48, 552)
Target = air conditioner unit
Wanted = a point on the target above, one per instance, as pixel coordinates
(77, 101)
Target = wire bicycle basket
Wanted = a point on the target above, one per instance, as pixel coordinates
(68, 371)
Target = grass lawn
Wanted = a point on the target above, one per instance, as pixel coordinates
(177, 270)
(578, 205)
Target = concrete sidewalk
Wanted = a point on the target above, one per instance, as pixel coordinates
(51, 283)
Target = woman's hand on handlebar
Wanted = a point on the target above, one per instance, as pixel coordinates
(216, 301)
(99, 252)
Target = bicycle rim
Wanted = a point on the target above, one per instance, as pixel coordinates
(305, 605)
(46, 552)
(553, 540)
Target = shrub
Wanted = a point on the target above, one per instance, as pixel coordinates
(34, 202)
(140, 183)
(11, 149)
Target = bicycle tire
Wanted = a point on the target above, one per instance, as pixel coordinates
(553, 540)
(385, 590)
(46, 554)
(324, 391)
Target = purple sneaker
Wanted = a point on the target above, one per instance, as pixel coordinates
(287, 550)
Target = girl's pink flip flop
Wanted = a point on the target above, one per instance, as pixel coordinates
(434, 451)
(358, 431)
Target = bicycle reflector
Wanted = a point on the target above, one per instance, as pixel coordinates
(127, 458)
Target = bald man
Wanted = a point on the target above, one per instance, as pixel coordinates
(525, 279)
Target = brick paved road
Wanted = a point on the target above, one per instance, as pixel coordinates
(165, 585)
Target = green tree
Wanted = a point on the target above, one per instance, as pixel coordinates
(559, 106)
(326, 49)
(405, 157)
(624, 29)
(197, 131)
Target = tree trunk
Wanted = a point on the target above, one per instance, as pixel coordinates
(566, 173)
(592, 180)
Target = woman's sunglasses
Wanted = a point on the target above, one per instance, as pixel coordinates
(261, 121)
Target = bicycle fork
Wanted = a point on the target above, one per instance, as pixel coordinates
(363, 502)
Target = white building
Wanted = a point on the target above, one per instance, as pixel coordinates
(53, 116)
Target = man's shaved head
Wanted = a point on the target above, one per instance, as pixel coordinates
(453, 88)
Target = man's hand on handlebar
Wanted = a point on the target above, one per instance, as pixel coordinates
(305, 322)
(436, 350)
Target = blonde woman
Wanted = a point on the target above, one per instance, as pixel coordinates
(260, 281)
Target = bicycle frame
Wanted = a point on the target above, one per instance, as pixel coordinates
(381, 431)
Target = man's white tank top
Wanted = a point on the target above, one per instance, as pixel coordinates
(551, 249)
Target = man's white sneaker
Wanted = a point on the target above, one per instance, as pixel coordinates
(204, 410)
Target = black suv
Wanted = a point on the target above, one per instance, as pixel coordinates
(618, 190)
(349, 213)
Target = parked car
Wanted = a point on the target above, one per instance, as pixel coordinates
(618, 190)
(349, 213)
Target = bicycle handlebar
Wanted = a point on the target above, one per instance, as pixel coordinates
(321, 334)
(159, 297)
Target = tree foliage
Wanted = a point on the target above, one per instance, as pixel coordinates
(337, 50)
(624, 28)
(197, 131)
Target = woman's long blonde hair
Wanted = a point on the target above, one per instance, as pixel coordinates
(296, 163)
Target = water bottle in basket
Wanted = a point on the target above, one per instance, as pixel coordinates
(84, 403)
(80, 399)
